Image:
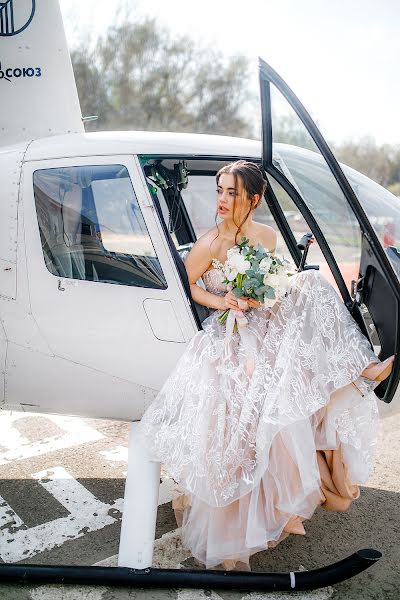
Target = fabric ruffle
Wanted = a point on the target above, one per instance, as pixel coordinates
(255, 455)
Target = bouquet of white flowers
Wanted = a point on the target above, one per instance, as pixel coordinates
(254, 273)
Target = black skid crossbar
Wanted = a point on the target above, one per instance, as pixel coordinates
(185, 578)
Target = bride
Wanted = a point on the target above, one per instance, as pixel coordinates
(256, 451)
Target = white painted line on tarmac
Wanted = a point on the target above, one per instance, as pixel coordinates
(166, 491)
(323, 594)
(198, 595)
(57, 592)
(15, 446)
(117, 454)
(87, 513)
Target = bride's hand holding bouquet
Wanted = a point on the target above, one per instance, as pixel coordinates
(254, 277)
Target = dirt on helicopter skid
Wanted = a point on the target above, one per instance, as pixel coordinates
(61, 489)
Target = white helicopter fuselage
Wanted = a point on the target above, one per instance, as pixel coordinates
(87, 347)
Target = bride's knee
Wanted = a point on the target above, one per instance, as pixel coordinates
(303, 280)
(309, 275)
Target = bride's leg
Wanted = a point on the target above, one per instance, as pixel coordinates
(336, 486)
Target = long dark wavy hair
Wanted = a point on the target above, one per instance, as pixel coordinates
(253, 182)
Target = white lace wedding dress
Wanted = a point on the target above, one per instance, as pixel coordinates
(255, 453)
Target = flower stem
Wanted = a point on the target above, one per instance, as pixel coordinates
(222, 318)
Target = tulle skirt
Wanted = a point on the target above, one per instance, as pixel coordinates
(261, 428)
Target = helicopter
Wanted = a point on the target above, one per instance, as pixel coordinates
(95, 302)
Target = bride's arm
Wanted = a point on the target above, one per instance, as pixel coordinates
(197, 262)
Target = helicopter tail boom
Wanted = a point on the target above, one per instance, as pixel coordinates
(37, 85)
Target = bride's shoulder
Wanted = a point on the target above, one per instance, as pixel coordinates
(266, 235)
(201, 249)
(206, 238)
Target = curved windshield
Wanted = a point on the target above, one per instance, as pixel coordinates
(308, 173)
(383, 210)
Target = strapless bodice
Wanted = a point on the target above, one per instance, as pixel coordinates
(213, 279)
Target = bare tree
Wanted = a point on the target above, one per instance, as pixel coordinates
(380, 163)
(140, 77)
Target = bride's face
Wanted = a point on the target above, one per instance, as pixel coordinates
(232, 204)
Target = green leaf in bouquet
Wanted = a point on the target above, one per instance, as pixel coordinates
(261, 252)
(254, 282)
(270, 292)
(250, 272)
(238, 292)
(247, 284)
(260, 277)
(260, 290)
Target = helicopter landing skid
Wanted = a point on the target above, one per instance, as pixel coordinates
(192, 578)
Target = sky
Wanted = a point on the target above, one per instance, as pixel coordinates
(340, 57)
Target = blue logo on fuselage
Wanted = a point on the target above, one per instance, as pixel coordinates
(15, 19)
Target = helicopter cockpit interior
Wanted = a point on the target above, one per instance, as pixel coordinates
(184, 191)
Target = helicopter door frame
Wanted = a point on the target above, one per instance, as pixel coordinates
(370, 243)
(183, 278)
(158, 321)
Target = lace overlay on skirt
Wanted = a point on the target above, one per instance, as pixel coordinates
(254, 455)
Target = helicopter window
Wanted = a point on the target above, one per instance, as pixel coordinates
(200, 201)
(299, 159)
(91, 226)
(383, 210)
(299, 227)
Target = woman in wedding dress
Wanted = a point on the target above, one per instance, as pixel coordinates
(257, 443)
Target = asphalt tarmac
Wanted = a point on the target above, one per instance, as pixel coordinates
(61, 499)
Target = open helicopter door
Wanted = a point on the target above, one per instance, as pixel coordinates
(361, 267)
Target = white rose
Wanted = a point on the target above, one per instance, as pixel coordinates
(265, 264)
(231, 274)
(239, 263)
(283, 283)
(272, 279)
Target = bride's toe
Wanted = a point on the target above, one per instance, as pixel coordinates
(295, 525)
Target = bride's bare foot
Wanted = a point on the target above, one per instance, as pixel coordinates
(235, 565)
(377, 371)
(380, 370)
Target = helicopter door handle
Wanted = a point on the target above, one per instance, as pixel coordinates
(60, 286)
(357, 287)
